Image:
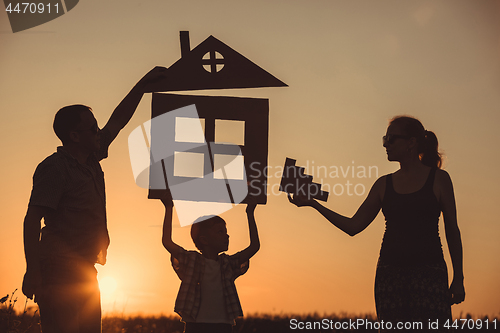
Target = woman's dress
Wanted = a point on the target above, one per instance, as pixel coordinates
(411, 283)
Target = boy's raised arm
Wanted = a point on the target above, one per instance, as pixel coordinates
(167, 228)
(254, 246)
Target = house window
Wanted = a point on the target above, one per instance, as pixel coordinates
(229, 166)
(213, 62)
(188, 164)
(188, 130)
(230, 131)
(225, 165)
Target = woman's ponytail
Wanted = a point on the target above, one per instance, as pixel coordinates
(429, 154)
(427, 141)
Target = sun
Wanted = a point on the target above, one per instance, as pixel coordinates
(108, 285)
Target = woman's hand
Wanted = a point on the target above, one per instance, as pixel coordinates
(457, 291)
(299, 200)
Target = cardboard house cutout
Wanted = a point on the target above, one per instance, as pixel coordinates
(213, 65)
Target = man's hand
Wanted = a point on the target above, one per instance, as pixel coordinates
(31, 283)
(32, 227)
(154, 75)
(300, 201)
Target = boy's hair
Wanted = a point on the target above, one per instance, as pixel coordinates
(201, 228)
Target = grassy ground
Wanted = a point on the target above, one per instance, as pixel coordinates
(28, 321)
(250, 324)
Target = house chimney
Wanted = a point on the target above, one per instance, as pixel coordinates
(185, 47)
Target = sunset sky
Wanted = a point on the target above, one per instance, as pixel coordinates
(350, 67)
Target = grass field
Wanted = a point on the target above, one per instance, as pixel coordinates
(250, 324)
(28, 321)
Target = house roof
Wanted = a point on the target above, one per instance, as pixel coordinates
(214, 65)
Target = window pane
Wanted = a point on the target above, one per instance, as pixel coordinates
(230, 131)
(232, 165)
(208, 68)
(189, 130)
(188, 164)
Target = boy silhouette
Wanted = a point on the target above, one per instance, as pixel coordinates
(207, 300)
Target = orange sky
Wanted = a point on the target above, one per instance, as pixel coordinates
(350, 66)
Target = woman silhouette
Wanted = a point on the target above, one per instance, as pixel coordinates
(411, 283)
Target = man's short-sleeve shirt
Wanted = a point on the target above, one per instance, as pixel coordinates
(75, 193)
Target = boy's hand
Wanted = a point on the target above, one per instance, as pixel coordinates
(251, 204)
(167, 201)
(251, 208)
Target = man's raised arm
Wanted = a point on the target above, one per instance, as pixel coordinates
(125, 110)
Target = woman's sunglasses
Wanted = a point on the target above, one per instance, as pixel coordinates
(391, 138)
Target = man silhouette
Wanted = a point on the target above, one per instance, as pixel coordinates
(68, 193)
